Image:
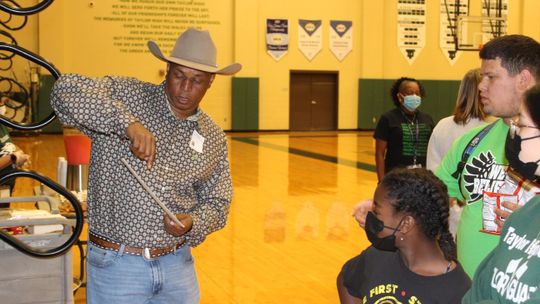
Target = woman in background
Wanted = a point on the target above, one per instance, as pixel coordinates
(468, 114)
(413, 255)
(402, 134)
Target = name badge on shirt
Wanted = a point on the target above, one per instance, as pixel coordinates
(196, 142)
(415, 166)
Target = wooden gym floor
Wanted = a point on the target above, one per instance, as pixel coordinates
(290, 227)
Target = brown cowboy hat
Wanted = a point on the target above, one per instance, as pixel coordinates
(194, 49)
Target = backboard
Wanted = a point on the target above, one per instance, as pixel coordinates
(475, 31)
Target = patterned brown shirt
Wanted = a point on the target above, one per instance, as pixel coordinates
(187, 181)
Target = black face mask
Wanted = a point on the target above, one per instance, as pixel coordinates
(373, 227)
(512, 149)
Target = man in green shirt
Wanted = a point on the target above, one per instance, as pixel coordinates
(510, 65)
(511, 272)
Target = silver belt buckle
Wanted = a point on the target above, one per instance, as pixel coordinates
(146, 254)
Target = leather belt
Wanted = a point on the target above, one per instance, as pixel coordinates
(148, 253)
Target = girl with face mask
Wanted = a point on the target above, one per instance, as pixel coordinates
(523, 133)
(511, 272)
(402, 134)
(413, 256)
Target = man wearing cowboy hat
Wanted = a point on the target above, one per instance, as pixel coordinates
(136, 253)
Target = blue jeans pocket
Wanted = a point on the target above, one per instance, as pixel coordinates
(185, 253)
(99, 257)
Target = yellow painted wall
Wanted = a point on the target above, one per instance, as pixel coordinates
(375, 53)
(381, 57)
(527, 20)
(69, 37)
(72, 38)
(274, 75)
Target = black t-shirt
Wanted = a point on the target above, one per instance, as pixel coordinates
(405, 135)
(377, 276)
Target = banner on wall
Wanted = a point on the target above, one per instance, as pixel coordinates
(310, 37)
(341, 38)
(277, 37)
(493, 8)
(411, 28)
(448, 27)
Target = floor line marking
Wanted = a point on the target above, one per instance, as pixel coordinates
(314, 155)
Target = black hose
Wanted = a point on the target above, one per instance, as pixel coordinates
(79, 219)
(42, 62)
(6, 22)
(24, 101)
(13, 42)
(27, 10)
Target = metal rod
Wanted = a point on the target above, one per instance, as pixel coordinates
(160, 203)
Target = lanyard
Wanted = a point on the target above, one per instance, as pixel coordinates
(469, 150)
(415, 136)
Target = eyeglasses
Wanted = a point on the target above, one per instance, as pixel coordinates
(515, 126)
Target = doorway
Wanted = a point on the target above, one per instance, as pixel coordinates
(313, 101)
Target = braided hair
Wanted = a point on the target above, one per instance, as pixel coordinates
(419, 193)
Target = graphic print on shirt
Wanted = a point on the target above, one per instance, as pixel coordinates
(389, 294)
(483, 173)
(508, 282)
(415, 136)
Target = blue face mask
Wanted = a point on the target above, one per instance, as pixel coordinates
(411, 102)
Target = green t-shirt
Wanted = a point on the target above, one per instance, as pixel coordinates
(511, 272)
(485, 171)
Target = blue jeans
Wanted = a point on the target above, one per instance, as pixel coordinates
(117, 277)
